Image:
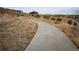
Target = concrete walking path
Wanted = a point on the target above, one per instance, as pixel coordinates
(50, 38)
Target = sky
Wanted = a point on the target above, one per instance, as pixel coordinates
(49, 10)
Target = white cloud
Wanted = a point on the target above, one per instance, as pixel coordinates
(50, 10)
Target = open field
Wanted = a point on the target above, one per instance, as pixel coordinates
(15, 33)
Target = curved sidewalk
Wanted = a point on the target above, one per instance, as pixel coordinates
(50, 38)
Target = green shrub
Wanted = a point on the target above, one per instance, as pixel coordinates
(22, 14)
(19, 14)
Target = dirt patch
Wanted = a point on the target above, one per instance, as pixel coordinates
(15, 33)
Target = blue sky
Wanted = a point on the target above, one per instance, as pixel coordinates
(49, 10)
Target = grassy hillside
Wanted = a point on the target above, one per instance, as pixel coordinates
(15, 33)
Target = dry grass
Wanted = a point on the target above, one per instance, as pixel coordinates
(15, 33)
(72, 34)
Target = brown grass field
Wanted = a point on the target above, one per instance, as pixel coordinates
(15, 33)
(72, 34)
